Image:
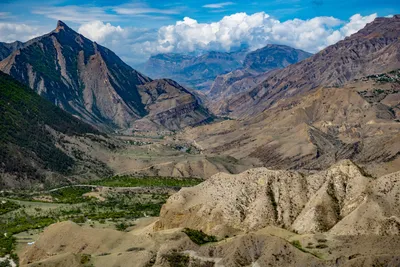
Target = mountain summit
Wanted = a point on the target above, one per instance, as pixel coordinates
(62, 26)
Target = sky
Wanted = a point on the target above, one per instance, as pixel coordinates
(137, 29)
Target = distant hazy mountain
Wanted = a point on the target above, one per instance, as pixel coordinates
(7, 48)
(255, 65)
(84, 78)
(30, 131)
(197, 72)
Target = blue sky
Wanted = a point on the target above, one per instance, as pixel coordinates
(137, 29)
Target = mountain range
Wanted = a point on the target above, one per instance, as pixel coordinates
(254, 68)
(372, 50)
(305, 115)
(341, 103)
(295, 157)
(90, 81)
(193, 71)
(211, 69)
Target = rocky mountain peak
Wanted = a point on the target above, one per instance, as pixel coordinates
(61, 26)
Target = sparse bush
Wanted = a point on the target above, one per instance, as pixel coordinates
(199, 237)
(85, 258)
(176, 259)
(297, 244)
(121, 226)
(134, 249)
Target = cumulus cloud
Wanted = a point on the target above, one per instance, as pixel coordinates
(11, 32)
(98, 31)
(228, 34)
(129, 42)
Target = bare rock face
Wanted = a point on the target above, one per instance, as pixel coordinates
(227, 203)
(374, 49)
(172, 106)
(341, 200)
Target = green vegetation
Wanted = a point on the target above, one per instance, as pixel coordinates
(121, 226)
(130, 181)
(297, 244)
(199, 237)
(118, 209)
(7, 206)
(114, 208)
(5, 263)
(70, 194)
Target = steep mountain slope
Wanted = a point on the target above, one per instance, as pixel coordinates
(94, 84)
(255, 65)
(374, 49)
(30, 133)
(170, 105)
(193, 71)
(79, 76)
(7, 48)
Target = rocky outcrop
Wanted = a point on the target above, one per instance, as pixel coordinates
(341, 200)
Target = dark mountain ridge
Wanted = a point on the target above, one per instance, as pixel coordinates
(28, 128)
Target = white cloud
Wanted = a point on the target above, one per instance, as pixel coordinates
(356, 23)
(98, 31)
(229, 33)
(219, 5)
(255, 30)
(11, 32)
